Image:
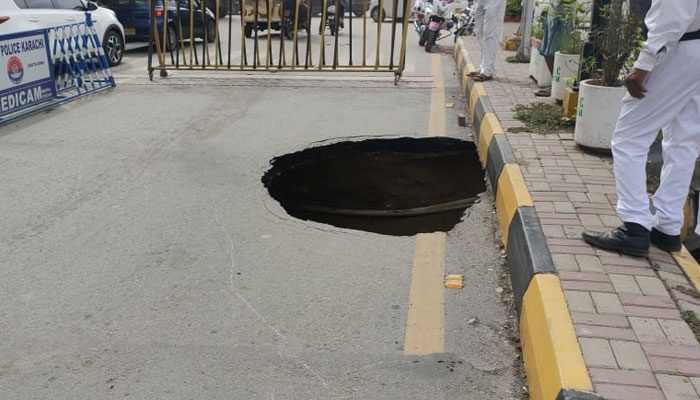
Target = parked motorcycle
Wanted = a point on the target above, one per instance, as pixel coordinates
(334, 20)
(419, 20)
(465, 22)
(441, 17)
(289, 17)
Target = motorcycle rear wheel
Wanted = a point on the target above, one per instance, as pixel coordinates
(430, 40)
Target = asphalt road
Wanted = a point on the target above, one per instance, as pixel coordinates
(141, 257)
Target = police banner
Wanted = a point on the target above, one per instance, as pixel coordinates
(28, 76)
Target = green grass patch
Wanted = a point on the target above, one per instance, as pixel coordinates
(693, 322)
(543, 118)
(516, 59)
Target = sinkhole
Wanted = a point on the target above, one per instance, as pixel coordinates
(400, 186)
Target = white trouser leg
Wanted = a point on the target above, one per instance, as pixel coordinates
(479, 14)
(681, 146)
(672, 84)
(493, 28)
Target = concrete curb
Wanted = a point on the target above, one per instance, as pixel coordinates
(551, 353)
(688, 264)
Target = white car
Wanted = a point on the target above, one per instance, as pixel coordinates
(388, 6)
(27, 15)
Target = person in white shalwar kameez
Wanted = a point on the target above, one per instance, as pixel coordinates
(663, 93)
(488, 16)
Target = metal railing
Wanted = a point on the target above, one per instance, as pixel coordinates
(186, 36)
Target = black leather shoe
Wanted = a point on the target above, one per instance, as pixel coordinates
(630, 238)
(665, 242)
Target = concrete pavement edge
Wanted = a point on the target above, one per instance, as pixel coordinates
(552, 356)
(688, 264)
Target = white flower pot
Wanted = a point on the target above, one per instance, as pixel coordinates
(538, 66)
(565, 71)
(596, 116)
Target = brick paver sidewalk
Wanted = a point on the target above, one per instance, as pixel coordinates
(626, 311)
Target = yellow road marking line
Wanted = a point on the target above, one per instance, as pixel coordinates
(436, 123)
(425, 325)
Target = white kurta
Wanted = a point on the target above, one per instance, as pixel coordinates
(672, 103)
(489, 15)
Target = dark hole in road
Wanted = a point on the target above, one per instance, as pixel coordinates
(396, 187)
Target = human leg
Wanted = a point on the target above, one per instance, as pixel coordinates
(493, 28)
(479, 13)
(681, 146)
(671, 85)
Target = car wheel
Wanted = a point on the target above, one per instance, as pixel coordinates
(375, 15)
(211, 31)
(172, 40)
(113, 45)
(223, 9)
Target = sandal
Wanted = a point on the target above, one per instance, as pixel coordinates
(473, 73)
(482, 78)
(546, 92)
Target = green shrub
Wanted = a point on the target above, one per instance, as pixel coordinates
(615, 42)
(513, 9)
(538, 27)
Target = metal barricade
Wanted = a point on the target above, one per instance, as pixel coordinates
(80, 64)
(50, 66)
(277, 35)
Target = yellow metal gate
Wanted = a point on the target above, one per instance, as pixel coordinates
(275, 35)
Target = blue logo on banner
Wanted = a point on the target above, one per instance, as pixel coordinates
(15, 70)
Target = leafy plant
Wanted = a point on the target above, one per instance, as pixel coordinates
(615, 42)
(571, 44)
(542, 117)
(538, 27)
(513, 9)
(517, 59)
(573, 14)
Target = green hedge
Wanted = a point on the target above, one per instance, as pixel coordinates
(513, 9)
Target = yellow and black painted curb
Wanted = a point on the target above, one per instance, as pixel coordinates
(688, 264)
(551, 353)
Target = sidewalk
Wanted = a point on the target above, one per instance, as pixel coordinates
(626, 312)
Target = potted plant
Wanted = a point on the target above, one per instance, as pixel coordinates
(600, 98)
(513, 10)
(567, 59)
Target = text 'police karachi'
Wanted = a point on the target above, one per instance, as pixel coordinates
(21, 47)
(28, 79)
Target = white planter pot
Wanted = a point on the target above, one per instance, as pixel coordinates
(596, 116)
(565, 71)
